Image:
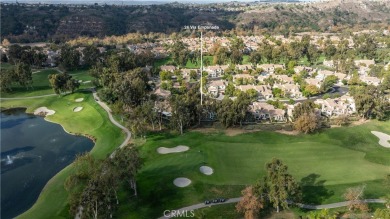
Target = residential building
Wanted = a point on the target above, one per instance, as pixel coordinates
(263, 111)
(216, 71)
(270, 68)
(216, 88)
(289, 90)
(344, 105)
(264, 91)
(313, 81)
(371, 80)
(169, 68)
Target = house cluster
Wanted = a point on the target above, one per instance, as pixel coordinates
(344, 105)
(363, 68)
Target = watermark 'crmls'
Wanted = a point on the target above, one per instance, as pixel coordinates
(179, 213)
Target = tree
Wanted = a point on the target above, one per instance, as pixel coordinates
(255, 57)
(354, 196)
(22, 74)
(91, 54)
(307, 123)
(370, 101)
(221, 56)
(277, 92)
(15, 53)
(84, 168)
(252, 94)
(302, 108)
(279, 186)
(328, 83)
(321, 214)
(382, 213)
(225, 113)
(229, 91)
(250, 203)
(180, 112)
(312, 54)
(98, 199)
(165, 75)
(63, 82)
(342, 120)
(180, 54)
(310, 90)
(132, 87)
(330, 50)
(236, 56)
(6, 80)
(69, 58)
(127, 163)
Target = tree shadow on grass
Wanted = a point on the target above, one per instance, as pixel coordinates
(313, 189)
(157, 192)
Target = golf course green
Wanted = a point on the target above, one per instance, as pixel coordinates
(326, 164)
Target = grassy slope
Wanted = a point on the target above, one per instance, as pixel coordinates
(329, 162)
(92, 120)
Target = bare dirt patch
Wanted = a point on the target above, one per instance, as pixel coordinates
(78, 100)
(287, 132)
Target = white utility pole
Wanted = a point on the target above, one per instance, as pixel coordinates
(201, 68)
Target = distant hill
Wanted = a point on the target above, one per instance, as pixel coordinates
(32, 23)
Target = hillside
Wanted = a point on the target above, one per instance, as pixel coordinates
(29, 23)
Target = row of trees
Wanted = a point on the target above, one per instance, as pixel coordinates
(94, 184)
(20, 74)
(279, 189)
(32, 56)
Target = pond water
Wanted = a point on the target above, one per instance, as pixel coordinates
(32, 151)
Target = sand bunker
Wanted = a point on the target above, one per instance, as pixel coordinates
(78, 100)
(383, 138)
(177, 149)
(77, 109)
(44, 111)
(206, 170)
(181, 182)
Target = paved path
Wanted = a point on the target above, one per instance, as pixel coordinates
(109, 112)
(124, 143)
(305, 206)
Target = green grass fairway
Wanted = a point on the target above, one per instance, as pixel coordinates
(92, 120)
(41, 84)
(328, 163)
